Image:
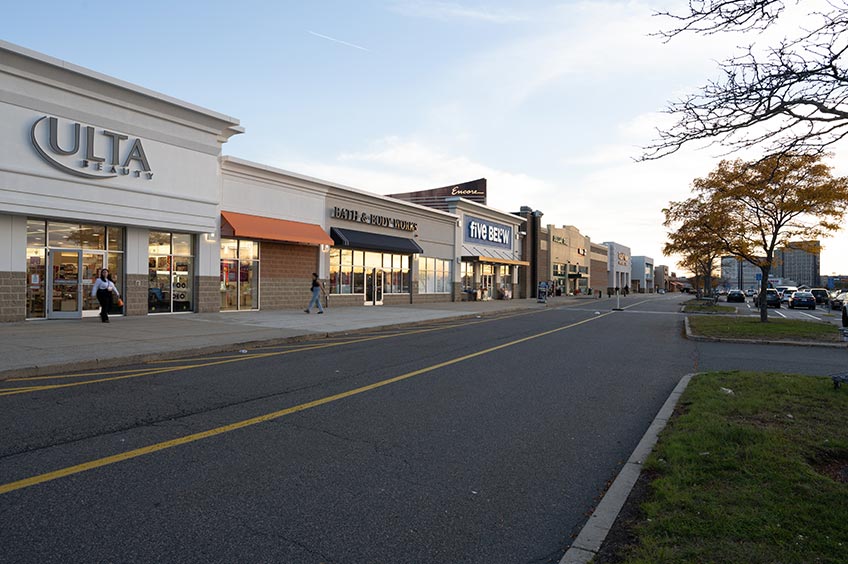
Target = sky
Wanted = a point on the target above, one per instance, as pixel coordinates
(550, 101)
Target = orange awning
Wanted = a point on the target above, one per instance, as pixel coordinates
(268, 228)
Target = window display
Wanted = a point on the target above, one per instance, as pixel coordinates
(170, 272)
(239, 274)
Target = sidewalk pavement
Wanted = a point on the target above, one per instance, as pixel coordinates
(40, 347)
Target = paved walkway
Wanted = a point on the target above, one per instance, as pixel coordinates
(40, 347)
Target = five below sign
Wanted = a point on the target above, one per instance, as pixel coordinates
(77, 151)
(479, 230)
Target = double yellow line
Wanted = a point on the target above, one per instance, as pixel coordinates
(138, 373)
(135, 453)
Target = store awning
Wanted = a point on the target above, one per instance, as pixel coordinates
(495, 260)
(374, 241)
(268, 228)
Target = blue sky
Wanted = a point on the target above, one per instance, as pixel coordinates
(550, 101)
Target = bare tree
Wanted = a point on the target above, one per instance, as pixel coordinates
(785, 98)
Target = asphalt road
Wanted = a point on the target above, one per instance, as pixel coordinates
(487, 440)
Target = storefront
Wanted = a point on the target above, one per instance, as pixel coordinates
(103, 174)
(619, 266)
(272, 237)
(569, 260)
(488, 251)
(368, 250)
(387, 251)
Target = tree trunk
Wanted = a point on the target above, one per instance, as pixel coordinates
(763, 287)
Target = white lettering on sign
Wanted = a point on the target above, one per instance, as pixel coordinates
(373, 219)
(490, 233)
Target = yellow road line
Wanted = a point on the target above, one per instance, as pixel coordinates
(137, 373)
(135, 453)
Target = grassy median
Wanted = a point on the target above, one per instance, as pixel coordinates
(706, 306)
(777, 329)
(753, 469)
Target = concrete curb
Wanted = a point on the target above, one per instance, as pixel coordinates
(115, 361)
(594, 532)
(692, 337)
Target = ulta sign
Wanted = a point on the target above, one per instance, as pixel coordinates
(77, 153)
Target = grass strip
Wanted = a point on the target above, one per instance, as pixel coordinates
(776, 329)
(753, 469)
(706, 306)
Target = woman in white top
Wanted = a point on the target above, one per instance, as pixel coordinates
(103, 289)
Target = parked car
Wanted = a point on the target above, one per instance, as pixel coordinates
(785, 292)
(837, 301)
(749, 292)
(735, 296)
(772, 299)
(802, 299)
(845, 315)
(821, 295)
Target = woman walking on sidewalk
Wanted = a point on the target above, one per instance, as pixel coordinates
(103, 289)
(317, 289)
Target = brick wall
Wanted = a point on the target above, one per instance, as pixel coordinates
(207, 294)
(135, 294)
(286, 275)
(12, 296)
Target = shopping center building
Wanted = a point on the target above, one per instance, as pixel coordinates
(96, 172)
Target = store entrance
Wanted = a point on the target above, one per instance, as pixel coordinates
(374, 280)
(70, 276)
(487, 282)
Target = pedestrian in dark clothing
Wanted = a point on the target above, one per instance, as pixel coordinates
(103, 289)
(317, 289)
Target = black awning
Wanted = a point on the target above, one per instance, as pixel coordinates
(374, 241)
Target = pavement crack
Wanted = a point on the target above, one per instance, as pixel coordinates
(276, 535)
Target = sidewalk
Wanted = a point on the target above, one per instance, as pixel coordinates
(39, 347)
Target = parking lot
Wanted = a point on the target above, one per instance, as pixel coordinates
(821, 313)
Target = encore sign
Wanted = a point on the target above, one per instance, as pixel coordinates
(77, 152)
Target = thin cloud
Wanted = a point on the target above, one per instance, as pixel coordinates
(334, 40)
(453, 10)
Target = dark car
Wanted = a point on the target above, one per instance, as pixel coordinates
(802, 299)
(845, 315)
(821, 295)
(772, 298)
(735, 296)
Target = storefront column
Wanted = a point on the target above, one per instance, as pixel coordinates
(137, 274)
(208, 273)
(12, 268)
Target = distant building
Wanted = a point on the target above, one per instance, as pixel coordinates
(475, 191)
(661, 278)
(619, 265)
(799, 261)
(598, 266)
(835, 282)
(569, 259)
(739, 274)
(642, 274)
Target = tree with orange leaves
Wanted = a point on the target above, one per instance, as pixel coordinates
(749, 209)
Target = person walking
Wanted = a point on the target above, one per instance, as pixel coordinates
(317, 290)
(103, 289)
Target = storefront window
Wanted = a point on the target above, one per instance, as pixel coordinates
(170, 272)
(433, 275)
(63, 258)
(239, 274)
(347, 271)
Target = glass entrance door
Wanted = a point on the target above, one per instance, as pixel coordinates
(71, 274)
(374, 280)
(92, 263)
